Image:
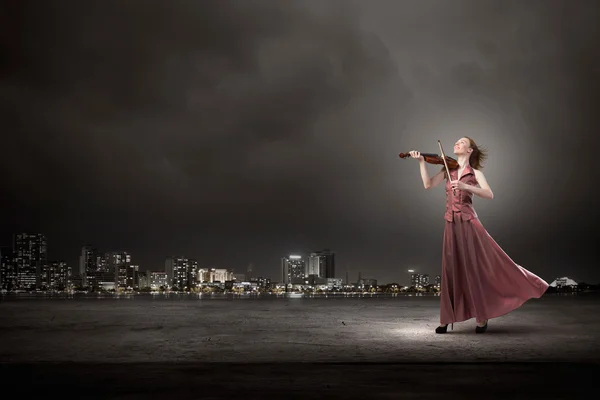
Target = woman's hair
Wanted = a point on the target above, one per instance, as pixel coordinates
(478, 156)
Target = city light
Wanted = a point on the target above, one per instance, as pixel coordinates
(295, 257)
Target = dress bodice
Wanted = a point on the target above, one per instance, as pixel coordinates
(461, 203)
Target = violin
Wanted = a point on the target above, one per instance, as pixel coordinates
(435, 159)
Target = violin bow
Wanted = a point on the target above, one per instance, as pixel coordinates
(445, 164)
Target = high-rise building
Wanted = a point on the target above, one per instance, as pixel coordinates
(293, 270)
(181, 272)
(158, 280)
(314, 265)
(125, 274)
(102, 263)
(170, 267)
(321, 264)
(153, 280)
(192, 276)
(60, 275)
(88, 266)
(285, 271)
(144, 279)
(101, 273)
(30, 260)
(8, 273)
(419, 281)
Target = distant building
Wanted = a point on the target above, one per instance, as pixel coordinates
(321, 264)
(212, 275)
(563, 282)
(125, 274)
(313, 268)
(108, 285)
(366, 284)
(99, 270)
(60, 276)
(102, 263)
(192, 277)
(158, 280)
(8, 272)
(262, 282)
(336, 283)
(144, 279)
(419, 281)
(315, 280)
(88, 266)
(181, 272)
(30, 260)
(239, 277)
(292, 270)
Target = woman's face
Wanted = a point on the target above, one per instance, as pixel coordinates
(462, 146)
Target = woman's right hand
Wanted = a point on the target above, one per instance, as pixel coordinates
(416, 154)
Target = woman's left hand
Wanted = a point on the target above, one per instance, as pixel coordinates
(459, 185)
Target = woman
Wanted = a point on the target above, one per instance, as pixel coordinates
(478, 279)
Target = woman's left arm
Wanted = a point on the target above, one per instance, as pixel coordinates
(484, 189)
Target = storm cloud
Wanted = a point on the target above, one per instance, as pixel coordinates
(238, 131)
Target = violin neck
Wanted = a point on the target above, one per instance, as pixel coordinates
(429, 155)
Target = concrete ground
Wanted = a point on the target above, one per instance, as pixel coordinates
(146, 347)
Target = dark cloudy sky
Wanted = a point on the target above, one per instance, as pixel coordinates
(238, 132)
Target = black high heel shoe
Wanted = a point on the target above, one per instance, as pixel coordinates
(481, 329)
(443, 329)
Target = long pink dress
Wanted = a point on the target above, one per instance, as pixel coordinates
(479, 280)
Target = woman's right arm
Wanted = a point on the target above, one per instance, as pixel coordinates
(428, 182)
(436, 180)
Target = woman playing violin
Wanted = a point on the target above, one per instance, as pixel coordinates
(479, 280)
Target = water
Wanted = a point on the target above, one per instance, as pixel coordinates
(204, 296)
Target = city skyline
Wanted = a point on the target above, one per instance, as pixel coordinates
(26, 266)
(281, 133)
(28, 256)
(306, 268)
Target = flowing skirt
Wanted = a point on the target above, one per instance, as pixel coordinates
(478, 279)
